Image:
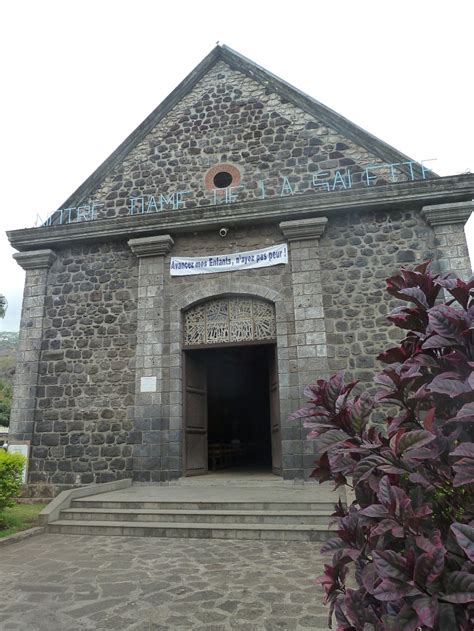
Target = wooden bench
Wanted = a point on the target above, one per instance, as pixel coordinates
(221, 455)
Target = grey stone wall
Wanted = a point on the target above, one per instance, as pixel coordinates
(86, 373)
(358, 252)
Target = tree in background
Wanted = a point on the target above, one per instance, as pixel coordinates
(407, 540)
(5, 386)
(6, 393)
(3, 306)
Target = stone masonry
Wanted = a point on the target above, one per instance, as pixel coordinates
(86, 380)
(99, 386)
(150, 435)
(36, 265)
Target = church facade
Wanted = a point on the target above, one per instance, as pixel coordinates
(232, 250)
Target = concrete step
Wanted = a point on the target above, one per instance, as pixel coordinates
(271, 532)
(212, 505)
(191, 517)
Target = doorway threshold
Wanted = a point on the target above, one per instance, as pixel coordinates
(233, 477)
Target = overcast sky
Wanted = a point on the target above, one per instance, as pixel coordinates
(78, 76)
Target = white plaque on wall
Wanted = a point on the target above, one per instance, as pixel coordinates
(23, 449)
(148, 384)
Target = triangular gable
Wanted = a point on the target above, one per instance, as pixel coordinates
(373, 147)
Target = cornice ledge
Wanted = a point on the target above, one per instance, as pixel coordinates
(303, 229)
(159, 245)
(35, 259)
(411, 195)
(442, 214)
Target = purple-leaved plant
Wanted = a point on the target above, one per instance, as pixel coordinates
(408, 538)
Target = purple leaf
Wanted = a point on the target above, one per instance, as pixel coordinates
(429, 566)
(329, 439)
(313, 390)
(384, 493)
(365, 468)
(387, 525)
(391, 565)
(450, 384)
(360, 411)
(424, 359)
(464, 535)
(424, 453)
(458, 289)
(414, 294)
(459, 588)
(393, 355)
(406, 621)
(391, 590)
(369, 577)
(411, 319)
(343, 622)
(470, 380)
(375, 510)
(438, 341)
(334, 388)
(448, 322)
(427, 609)
(417, 478)
(416, 438)
(304, 412)
(332, 545)
(464, 469)
(390, 468)
(466, 449)
(447, 617)
(355, 607)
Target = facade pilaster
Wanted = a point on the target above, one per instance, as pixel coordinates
(149, 436)
(310, 328)
(309, 340)
(36, 263)
(448, 221)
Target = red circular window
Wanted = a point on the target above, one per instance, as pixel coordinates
(222, 175)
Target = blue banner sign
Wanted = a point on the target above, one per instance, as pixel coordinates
(320, 181)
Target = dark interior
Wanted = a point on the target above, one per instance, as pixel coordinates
(238, 408)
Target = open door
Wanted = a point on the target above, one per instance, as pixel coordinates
(195, 439)
(274, 410)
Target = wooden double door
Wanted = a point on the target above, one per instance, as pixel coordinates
(199, 394)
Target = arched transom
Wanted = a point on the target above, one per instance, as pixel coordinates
(229, 320)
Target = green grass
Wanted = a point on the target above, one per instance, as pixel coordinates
(19, 517)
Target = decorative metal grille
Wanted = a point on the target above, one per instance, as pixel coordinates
(229, 320)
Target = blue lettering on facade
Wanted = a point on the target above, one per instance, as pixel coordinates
(286, 188)
(341, 180)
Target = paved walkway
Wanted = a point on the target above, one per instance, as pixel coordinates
(71, 583)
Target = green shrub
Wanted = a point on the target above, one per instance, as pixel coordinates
(11, 468)
(6, 394)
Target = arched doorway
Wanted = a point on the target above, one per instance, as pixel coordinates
(231, 398)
